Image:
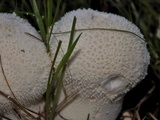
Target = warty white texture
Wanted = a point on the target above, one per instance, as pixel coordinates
(25, 62)
(105, 64)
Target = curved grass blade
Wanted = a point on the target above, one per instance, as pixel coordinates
(92, 29)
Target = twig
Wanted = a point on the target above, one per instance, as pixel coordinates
(145, 97)
(6, 78)
(14, 100)
(17, 104)
(34, 36)
(152, 116)
(66, 101)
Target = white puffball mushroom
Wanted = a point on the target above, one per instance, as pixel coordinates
(25, 62)
(104, 65)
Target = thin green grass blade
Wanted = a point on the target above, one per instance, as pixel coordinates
(49, 12)
(39, 19)
(65, 59)
(50, 28)
(62, 63)
(103, 29)
(45, 11)
(57, 93)
(26, 5)
(69, 51)
(54, 60)
(88, 116)
(72, 32)
(144, 118)
(48, 101)
(57, 11)
(52, 93)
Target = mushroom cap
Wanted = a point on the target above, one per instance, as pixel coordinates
(25, 62)
(104, 65)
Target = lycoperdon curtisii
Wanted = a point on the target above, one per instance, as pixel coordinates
(109, 59)
(25, 63)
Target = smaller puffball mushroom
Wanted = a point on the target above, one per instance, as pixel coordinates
(25, 63)
(104, 65)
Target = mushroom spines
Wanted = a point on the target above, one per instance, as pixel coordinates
(24, 59)
(109, 59)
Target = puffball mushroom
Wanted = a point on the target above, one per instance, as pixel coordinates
(106, 63)
(25, 63)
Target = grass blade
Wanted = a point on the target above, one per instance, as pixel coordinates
(39, 19)
(48, 101)
(72, 32)
(51, 85)
(57, 94)
(88, 116)
(50, 28)
(49, 12)
(66, 57)
(103, 29)
(55, 57)
(53, 92)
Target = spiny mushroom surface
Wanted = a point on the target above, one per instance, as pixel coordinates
(105, 64)
(24, 60)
